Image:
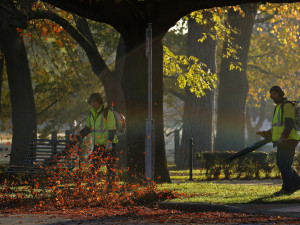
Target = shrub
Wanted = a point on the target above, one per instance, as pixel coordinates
(249, 166)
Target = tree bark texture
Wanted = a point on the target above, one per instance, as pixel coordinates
(198, 112)
(233, 84)
(21, 94)
(1, 74)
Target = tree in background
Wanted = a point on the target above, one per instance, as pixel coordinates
(233, 84)
(198, 112)
(19, 79)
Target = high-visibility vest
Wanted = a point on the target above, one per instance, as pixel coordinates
(278, 123)
(99, 125)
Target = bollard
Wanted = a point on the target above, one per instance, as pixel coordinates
(191, 158)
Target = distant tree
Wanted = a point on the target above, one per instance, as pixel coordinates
(233, 84)
(198, 112)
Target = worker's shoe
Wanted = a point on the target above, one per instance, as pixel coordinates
(282, 192)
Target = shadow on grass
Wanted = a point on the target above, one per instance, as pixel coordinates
(271, 199)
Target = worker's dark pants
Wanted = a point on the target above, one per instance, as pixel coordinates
(285, 157)
(100, 155)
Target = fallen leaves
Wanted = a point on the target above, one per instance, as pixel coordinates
(85, 193)
(87, 186)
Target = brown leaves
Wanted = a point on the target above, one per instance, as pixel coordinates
(83, 187)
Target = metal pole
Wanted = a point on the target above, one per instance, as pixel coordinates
(149, 46)
(149, 158)
(191, 158)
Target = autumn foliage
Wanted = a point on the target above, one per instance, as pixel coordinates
(84, 186)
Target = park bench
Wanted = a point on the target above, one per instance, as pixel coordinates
(45, 155)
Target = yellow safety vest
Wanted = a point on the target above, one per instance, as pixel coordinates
(278, 122)
(100, 125)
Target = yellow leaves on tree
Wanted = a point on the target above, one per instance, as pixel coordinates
(189, 72)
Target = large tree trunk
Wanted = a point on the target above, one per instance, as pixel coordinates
(161, 171)
(198, 112)
(1, 74)
(21, 93)
(233, 84)
(117, 96)
(134, 84)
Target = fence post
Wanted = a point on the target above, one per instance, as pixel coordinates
(191, 159)
(53, 139)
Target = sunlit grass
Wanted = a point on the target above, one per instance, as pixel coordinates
(208, 192)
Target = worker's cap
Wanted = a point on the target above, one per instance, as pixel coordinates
(278, 90)
(95, 97)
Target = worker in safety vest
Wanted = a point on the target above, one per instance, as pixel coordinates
(286, 138)
(101, 125)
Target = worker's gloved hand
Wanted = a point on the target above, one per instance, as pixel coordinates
(108, 145)
(264, 134)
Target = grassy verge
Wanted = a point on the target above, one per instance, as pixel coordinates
(208, 192)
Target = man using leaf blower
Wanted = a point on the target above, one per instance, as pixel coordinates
(286, 138)
(101, 124)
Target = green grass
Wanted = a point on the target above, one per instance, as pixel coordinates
(209, 192)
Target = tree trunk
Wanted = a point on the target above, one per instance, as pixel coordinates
(1, 74)
(21, 94)
(134, 84)
(233, 84)
(198, 112)
(116, 95)
(161, 170)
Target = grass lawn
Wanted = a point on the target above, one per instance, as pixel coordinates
(202, 191)
(210, 192)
